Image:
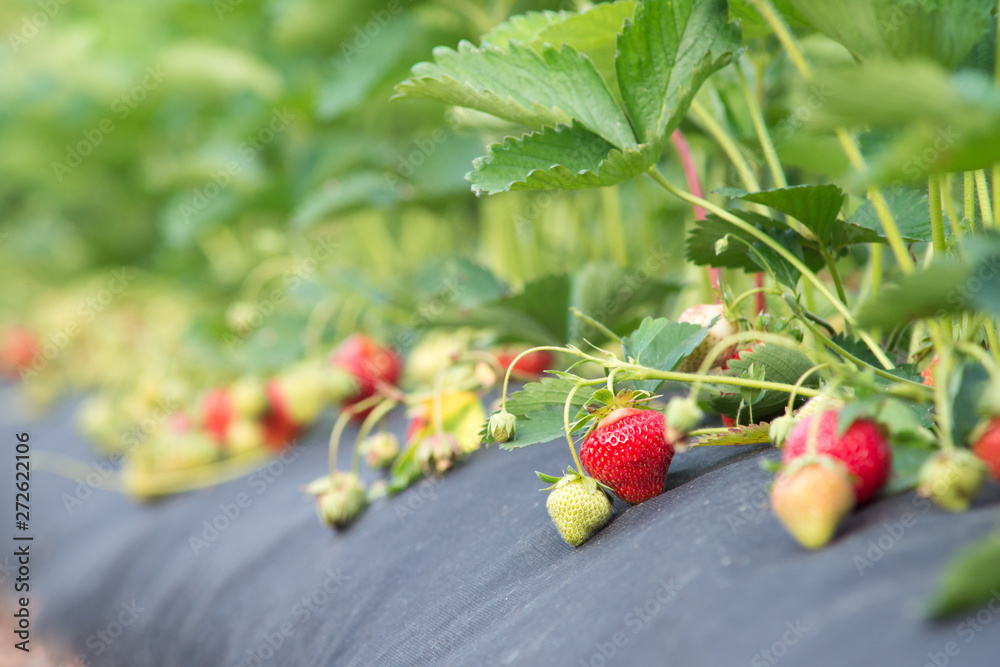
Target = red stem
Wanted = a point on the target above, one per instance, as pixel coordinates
(694, 185)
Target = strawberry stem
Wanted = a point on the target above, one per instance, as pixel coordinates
(510, 369)
(782, 251)
(341, 424)
(373, 418)
(569, 432)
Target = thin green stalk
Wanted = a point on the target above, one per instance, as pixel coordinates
(510, 369)
(569, 432)
(942, 404)
(969, 190)
(757, 116)
(876, 250)
(750, 292)
(614, 230)
(818, 332)
(728, 145)
(642, 373)
(980, 355)
(801, 381)
(831, 264)
(985, 208)
(947, 183)
(784, 35)
(373, 418)
(778, 248)
(992, 338)
(937, 220)
(341, 424)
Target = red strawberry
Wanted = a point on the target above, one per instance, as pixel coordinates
(370, 364)
(987, 447)
(928, 373)
(728, 422)
(18, 349)
(217, 413)
(702, 315)
(811, 497)
(279, 427)
(629, 453)
(530, 365)
(863, 449)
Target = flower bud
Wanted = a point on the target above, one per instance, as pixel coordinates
(344, 500)
(682, 415)
(380, 449)
(503, 426)
(952, 479)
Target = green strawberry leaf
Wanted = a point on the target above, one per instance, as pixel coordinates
(909, 209)
(778, 364)
(700, 247)
(666, 54)
(932, 292)
(968, 384)
(970, 579)
(901, 29)
(523, 86)
(522, 28)
(539, 410)
(907, 459)
(568, 157)
(593, 32)
(817, 208)
(661, 344)
(753, 434)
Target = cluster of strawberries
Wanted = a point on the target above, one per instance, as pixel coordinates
(830, 464)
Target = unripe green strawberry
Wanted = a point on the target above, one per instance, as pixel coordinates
(244, 435)
(304, 390)
(702, 315)
(682, 415)
(987, 446)
(339, 498)
(248, 397)
(811, 498)
(578, 507)
(952, 479)
(380, 449)
(503, 426)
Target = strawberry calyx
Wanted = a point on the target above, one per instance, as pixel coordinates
(570, 476)
(610, 408)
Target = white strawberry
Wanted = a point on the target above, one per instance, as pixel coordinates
(702, 315)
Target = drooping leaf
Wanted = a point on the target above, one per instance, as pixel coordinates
(519, 84)
(701, 244)
(567, 157)
(661, 344)
(666, 54)
(753, 434)
(965, 388)
(779, 364)
(970, 579)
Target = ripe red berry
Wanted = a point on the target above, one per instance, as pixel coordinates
(629, 453)
(279, 427)
(928, 373)
(217, 413)
(530, 365)
(987, 447)
(863, 449)
(18, 349)
(369, 363)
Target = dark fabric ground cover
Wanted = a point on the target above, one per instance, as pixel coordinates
(468, 570)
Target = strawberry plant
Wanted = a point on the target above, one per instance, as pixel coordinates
(613, 92)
